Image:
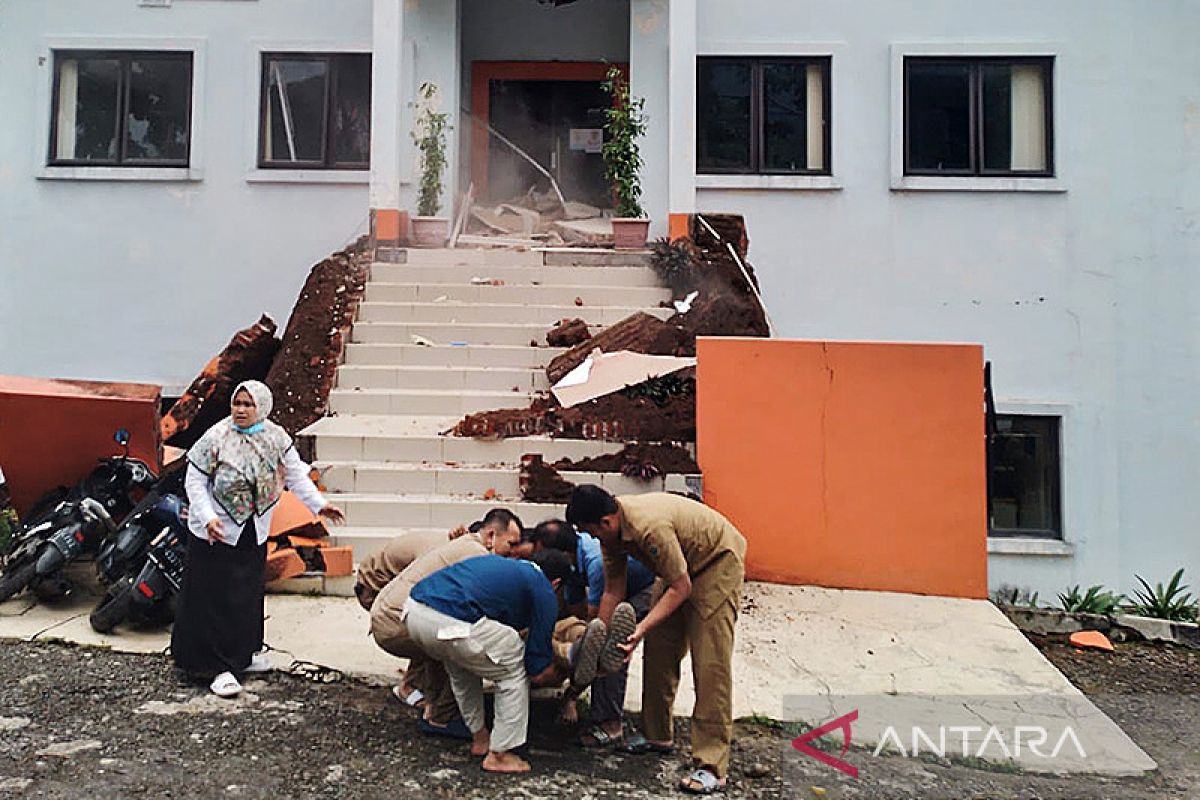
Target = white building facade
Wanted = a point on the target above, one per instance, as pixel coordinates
(1025, 175)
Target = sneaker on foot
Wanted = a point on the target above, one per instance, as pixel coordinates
(624, 620)
(588, 652)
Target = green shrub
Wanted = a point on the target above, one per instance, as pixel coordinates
(625, 123)
(1094, 601)
(675, 263)
(430, 138)
(1170, 602)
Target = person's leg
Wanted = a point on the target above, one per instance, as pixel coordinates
(608, 693)
(468, 694)
(664, 648)
(567, 632)
(503, 662)
(440, 706)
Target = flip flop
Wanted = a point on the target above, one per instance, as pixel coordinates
(638, 745)
(598, 738)
(624, 620)
(705, 783)
(587, 655)
(455, 729)
(259, 662)
(414, 699)
(225, 685)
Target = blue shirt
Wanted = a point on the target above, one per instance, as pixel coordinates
(508, 590)
(589, 561)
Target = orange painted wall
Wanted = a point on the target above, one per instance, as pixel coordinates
(52, 431)
(855, 465)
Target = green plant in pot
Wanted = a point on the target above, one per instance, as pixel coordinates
(429, 134)
(624, 124)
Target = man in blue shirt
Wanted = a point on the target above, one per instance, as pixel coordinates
(608, 691)
(468, 616)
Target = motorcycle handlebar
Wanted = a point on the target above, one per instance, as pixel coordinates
(88, 505)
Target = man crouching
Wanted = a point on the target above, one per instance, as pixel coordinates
(468, 616)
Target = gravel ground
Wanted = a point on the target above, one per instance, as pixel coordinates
(78, 722)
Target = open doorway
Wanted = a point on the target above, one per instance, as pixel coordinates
(554, 111)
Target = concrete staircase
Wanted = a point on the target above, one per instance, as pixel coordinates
(381, 453)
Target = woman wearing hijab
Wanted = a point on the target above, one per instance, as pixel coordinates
(235, 476)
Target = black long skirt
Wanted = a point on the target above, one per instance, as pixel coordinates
(219, 615)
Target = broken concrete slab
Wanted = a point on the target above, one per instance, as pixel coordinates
(637, 333)
(591, 232)
(603, 373)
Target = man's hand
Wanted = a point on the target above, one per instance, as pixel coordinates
(214, 529)
(460, 531)
(631, 642)
(333, 514)
(547, 677)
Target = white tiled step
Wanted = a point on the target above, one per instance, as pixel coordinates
(317, 583)
(433, 479)
(424, 401)
(515, 275)
(426, 511)
(506, 256)
(513, 313)
(415, 355)
(367, 541)
(446, 333)
(494, 379)
(630, 296)
(392, 438)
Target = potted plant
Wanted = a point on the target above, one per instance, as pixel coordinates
(624, 124)
(428, 229)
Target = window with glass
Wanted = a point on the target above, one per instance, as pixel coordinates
(762, 116)
(121, 108)
(316, 111)
(978, 116)
(1024, 483)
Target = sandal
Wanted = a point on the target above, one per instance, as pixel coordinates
(624, 620)
(225, 685)
(454, 729)
(317, 673)
(639, 745)
(701, 781)
(413, 698)
(598, 738)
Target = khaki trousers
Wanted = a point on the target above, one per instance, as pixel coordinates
(710, 641)
(424, 673)
(472, 652)
(567, 631)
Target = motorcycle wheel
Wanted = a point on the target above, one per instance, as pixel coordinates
(17, 579)
(112, 609)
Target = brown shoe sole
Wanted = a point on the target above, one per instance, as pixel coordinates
(624, 620)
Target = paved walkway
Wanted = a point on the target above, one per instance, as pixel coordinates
(954, 677)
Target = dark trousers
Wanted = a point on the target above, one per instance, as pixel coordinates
(219, 616)
(608, 693)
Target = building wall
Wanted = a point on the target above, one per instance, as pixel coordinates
(144, 281)
(1085, 299)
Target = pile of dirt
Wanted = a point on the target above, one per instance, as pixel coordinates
(248, 356)
(637, 333)
(317, 332)
(541, 483)
(665, 458)
(568, 333)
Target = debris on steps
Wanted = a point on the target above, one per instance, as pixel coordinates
(637, 333)
(317, 332)
(248, 356)
(541, 483)
(568, 333)
(666, 458)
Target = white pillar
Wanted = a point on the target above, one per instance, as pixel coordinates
(682, 115)
(648, 79)
(387, 103)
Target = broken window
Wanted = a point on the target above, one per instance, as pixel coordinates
(121, 108)
(316, 111)
(762, 115)
(1024, 471)
(978, 116)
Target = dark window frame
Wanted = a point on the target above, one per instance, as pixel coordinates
(758, 130)
(976, 144)
(331, 60)
(1055, 492)
(125, 57)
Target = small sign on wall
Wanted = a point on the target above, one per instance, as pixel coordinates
(588, 140)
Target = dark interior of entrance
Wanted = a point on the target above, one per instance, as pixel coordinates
(559, 123)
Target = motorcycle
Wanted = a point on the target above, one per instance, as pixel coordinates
(77, 524)
(145, 589)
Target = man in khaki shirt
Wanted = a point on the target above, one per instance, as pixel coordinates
(499, 531)
(699, 558)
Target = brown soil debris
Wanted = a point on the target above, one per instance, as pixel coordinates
(317, 331)
(637, 333)
(541, 483)
(248, 356)
(666, 458)
(568, 333)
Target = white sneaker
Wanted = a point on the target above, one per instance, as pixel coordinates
(225, 685)
(259, 662)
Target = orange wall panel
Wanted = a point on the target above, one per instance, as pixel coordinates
(855, 465)
(52, 431)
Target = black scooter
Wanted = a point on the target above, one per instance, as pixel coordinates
(78, 524)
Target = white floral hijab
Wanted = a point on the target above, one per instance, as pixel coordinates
(244, 465)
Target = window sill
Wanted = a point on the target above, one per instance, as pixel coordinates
(120, 173)
(342, 176)
(770, 182)
(1015, 546)
(938, 183)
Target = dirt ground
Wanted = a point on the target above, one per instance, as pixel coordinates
(77, 722)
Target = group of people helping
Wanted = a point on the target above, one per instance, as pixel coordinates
(565, 602)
